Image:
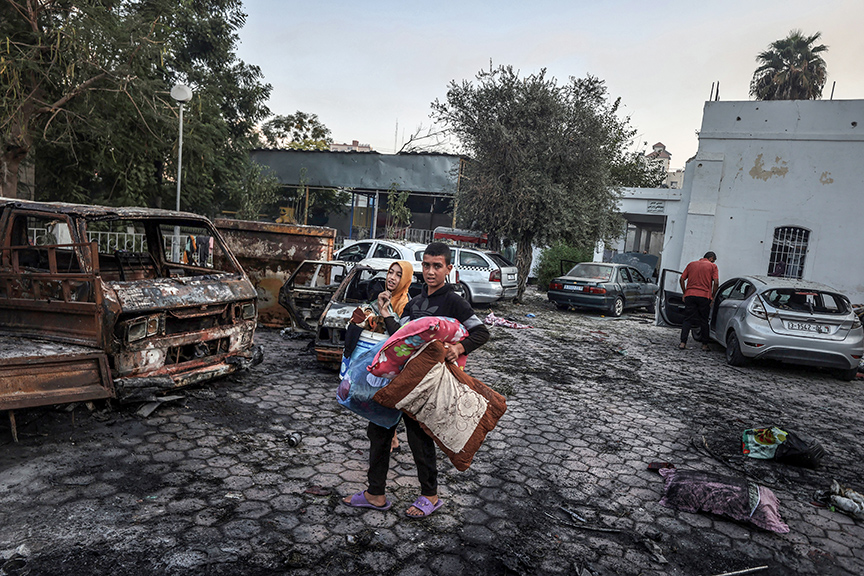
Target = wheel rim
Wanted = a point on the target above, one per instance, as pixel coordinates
(619, 306)
(731, 345)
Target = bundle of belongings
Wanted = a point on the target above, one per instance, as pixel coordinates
(408, 373)
(773, 443)
(736, 498)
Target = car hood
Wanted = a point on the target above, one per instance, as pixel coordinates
(171, 293)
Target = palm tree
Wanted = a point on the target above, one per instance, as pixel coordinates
(791, 69)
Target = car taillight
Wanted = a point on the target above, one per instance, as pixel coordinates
(495, 275)
(556, 286)
(856, 323)
(595, 290)
(757, 309)
(457, 276)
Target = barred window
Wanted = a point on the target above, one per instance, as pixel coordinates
(788, 252)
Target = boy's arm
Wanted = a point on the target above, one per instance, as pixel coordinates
(478, 334)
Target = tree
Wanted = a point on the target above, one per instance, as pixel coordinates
(299, 131)
(85, 95)
(545, 159)
(791, 69)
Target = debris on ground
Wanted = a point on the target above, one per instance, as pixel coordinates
(772, 443)
(736, 498)
(148, 408)
(493, 320)
(843, 499)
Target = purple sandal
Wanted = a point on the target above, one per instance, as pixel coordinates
(425, 506)
(359, 500)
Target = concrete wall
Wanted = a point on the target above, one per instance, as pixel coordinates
(761, 165)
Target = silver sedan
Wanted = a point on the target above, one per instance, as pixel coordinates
(784, 319)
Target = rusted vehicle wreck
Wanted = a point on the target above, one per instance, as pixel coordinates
(100, 302)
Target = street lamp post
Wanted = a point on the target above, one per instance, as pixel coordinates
(182, 94)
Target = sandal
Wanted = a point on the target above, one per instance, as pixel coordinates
(359, 500)
(425, 506)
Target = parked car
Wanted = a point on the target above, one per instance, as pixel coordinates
(785, 319)
(375, 252)
(600, 286)
(485, 276)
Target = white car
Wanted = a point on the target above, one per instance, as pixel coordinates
(485, 276)
(377, 253)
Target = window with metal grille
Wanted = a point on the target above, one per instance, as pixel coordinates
(788, 252)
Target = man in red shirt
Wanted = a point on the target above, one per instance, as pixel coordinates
(699, 282)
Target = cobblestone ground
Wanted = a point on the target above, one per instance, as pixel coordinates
(209, 485)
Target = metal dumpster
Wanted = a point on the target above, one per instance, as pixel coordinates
(269, 253)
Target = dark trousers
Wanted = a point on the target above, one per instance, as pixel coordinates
(422, 448)
(697, 309)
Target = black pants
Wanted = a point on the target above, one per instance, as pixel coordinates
(422, 448)
(697, 309)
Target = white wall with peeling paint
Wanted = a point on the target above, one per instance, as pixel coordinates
(761, 165)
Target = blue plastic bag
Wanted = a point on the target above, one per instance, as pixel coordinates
(356, 390)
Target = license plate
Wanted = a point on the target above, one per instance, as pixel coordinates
(573, 288)
(808, 327)
(511, 276)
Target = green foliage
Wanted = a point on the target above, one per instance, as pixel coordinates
(398, 213)
(549, 263)
(791, 69)
(259, 190)
(85, 94)
(298, 131)
(546, 159)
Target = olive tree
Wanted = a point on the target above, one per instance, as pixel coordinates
(545, 159)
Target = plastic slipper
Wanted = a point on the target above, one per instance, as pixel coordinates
(425, 506)
(359, 500)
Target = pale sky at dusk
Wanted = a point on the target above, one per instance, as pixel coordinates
(363, 66)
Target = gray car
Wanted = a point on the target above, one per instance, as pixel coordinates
(610, 288)
(784, 319)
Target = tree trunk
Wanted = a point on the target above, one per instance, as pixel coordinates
(10, 162)
(524, 251)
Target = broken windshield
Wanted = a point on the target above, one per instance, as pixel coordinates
(811, 301)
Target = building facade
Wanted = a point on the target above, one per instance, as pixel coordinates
(775, 189)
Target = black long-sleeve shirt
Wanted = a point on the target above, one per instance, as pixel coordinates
(444, 302)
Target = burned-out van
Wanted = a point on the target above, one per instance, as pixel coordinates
(157, 292)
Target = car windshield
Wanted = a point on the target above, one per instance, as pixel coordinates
(593, 271)
(811, 301)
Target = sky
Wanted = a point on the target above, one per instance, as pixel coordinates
(370, 70)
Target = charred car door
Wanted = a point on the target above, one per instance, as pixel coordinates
(309, 289)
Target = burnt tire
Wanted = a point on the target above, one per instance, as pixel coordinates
(617, 307)
(734, 356)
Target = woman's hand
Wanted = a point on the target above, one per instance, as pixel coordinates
(383, 301)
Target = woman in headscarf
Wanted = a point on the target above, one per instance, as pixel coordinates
(392, 301)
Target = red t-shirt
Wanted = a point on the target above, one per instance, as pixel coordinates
(699, 275)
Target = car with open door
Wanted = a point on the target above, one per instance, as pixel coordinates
(611, 288)
(785, 319)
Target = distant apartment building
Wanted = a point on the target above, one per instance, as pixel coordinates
(355, 146)
(659, 155)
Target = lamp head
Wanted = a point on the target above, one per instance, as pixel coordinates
(181, 93)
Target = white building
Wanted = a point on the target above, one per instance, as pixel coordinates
(776, 187)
